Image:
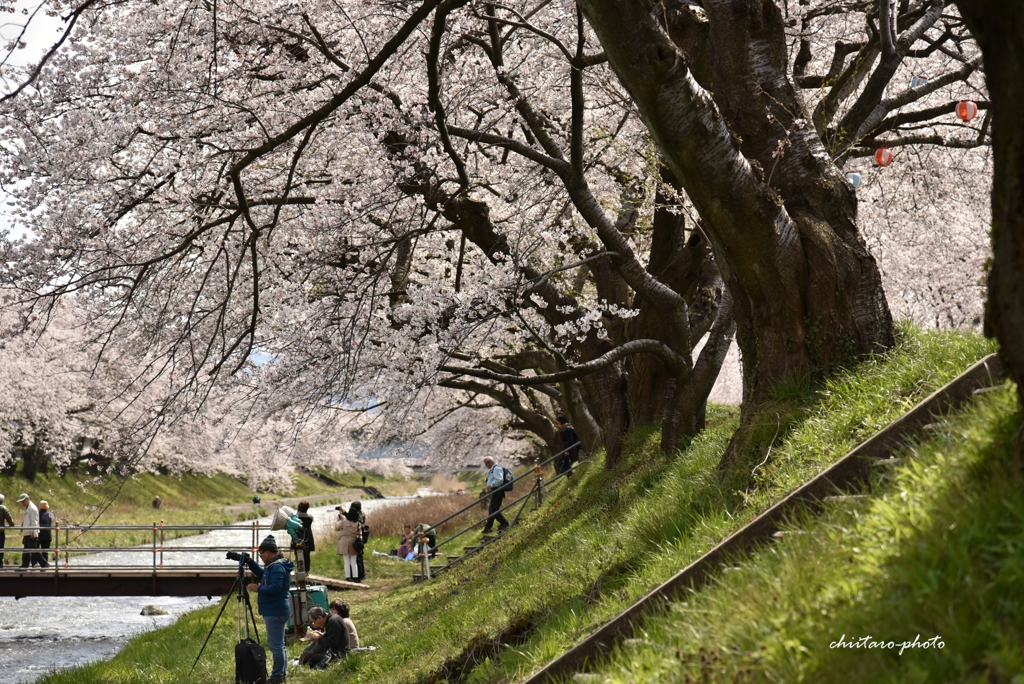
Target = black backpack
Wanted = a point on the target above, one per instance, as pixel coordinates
(508, 478)
(250, 663)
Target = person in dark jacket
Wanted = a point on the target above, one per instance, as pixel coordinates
(331, 636)
(361, 519)
(5, 521)
(307, 545)
(45, 533)
(275, 579)
(570, 446)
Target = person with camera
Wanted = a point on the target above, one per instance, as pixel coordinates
(350, 541)
(330, 637)
(358, 508)
(306, 543)
(274, 581)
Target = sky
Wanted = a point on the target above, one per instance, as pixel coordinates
(42, 32)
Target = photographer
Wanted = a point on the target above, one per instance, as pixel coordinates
(350, 541)
(307, 544)
(272, 599)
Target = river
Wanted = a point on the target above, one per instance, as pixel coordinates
(39, 635)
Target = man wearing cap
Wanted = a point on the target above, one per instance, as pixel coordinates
(5, 521)
(30, 530)
(275, 579)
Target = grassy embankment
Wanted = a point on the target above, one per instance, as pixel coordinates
(938, 551)
(186, 499)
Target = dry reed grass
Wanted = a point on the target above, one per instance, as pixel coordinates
(391, 520)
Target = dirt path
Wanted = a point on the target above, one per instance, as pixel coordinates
(272, 504)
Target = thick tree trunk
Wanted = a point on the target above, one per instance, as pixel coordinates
(806, 292)
(685, 265)
(999, 28)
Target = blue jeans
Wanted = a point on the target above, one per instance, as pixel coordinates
(275, 642)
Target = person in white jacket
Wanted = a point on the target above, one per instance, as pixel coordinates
(351, 531)
(30, 533)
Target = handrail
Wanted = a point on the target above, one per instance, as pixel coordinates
(157, 547)
(508, 505)
(488, 495)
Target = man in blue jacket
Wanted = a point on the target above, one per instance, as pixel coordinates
(275, 579)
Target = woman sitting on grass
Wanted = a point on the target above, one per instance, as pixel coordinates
(339, 607)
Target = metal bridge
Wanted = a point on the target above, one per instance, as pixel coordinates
(167, 566)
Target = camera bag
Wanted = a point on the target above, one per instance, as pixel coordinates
(250, 663)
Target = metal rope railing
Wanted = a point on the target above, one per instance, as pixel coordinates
(424, 551)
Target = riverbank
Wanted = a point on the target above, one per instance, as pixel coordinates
(186, 499)
(608, 537)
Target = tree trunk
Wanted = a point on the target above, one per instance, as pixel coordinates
(999, 28)
(806, 292)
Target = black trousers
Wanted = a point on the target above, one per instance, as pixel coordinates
(492, 510)
(45, 540)
(30, 558)
(3, 543)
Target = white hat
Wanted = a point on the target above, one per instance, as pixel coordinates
(22, 497)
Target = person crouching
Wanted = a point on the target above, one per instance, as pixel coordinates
(331, 638)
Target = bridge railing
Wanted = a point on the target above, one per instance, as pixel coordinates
(70, 549)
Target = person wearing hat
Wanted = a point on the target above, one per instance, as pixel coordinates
(274, 582)
(30, 531)
(5, 521)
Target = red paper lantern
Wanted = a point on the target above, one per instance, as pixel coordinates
(883, 156)
(966, 110)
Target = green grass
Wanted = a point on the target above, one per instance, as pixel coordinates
(599, 543)
(187, 499)
(935, 556)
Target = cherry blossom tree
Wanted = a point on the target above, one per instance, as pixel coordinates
(396, 203)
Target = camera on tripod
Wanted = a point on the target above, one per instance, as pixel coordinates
(236, 556)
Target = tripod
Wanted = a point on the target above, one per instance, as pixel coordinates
(243, 612)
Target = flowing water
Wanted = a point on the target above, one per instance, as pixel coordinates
(41, 634)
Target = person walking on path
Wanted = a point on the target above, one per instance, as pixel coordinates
(45, 532)
(5, 521)
(275, 579)
(570, 447)
(351, 531)
(496, 486)
(30, 532)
